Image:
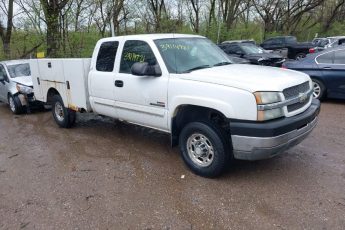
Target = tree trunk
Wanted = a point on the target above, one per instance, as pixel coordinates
(52, 10)
(53, 34)
(6, 35)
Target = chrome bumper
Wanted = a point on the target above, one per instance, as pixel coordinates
(257, 148)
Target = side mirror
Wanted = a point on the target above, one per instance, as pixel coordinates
(144, 69)
(2, 77)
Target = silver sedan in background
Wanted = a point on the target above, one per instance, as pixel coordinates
(16, 88)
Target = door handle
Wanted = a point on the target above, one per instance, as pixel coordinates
(327, 67)
(119, 83)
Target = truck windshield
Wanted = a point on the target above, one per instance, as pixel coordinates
(183, 55)
(19, 70)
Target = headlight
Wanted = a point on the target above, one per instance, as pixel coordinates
(24, 89)
(265, 98)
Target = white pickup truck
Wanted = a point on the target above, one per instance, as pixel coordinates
(186, 86)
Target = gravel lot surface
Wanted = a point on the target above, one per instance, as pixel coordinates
(104, 174)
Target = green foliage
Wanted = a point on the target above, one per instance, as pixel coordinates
(22, 42)
(81, 44)
(336, 29)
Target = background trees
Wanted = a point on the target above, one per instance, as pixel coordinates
(70, 28)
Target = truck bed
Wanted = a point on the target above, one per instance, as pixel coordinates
(68, 76)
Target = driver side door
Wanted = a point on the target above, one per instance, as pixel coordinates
(141, 99)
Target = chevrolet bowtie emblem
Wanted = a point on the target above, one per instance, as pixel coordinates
(302, 97)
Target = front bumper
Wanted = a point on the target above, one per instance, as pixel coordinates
(256, 141)
(28, 100)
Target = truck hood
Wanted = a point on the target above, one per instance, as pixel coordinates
(25, 80)
(249, 77)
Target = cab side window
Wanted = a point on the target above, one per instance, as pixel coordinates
(106, 56)
(136, 51)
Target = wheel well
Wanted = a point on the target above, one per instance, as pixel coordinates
(185, 114)
(51, 93)
(320, 80)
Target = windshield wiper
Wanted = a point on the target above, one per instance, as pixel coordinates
(222, 63)
(196, 68)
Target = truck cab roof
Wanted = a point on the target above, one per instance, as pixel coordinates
(150, 37)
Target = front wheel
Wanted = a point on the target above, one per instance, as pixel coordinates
(319, 89)
(63, 116)
(15, 104)
(204, 148)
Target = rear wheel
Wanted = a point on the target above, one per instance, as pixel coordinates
(204, 148)
(300, 56)
(63, 116)
(319, 89)
(15, 104)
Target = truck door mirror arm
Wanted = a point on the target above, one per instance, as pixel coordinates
(144, 69)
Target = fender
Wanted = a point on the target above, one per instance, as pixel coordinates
(225, 108)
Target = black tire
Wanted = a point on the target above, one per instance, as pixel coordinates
(63, 116)
(15, 104)
(216, 139)
(319, 89)
(300, 56)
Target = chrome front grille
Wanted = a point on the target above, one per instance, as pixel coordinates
(297, 106)
(294, 91)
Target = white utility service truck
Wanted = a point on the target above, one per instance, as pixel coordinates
(186, 86)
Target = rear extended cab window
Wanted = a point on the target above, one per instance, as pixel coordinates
(106, 56)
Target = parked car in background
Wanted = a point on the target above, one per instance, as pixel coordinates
(237, 60)
(295, 50)
(253, 53)
(327, 71)
(16, 85)
(326, 43)
(316, 41)
(250, 41)
(335, 41)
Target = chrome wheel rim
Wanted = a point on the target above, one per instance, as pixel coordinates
(317, 90)
(299, 57)
(59, 112)
(200, 150)
(12, 105)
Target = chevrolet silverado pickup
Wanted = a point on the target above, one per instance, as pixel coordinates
(184, 85)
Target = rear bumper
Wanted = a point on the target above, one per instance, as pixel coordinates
(256, 141)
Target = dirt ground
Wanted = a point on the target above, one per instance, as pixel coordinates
(104, 174)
